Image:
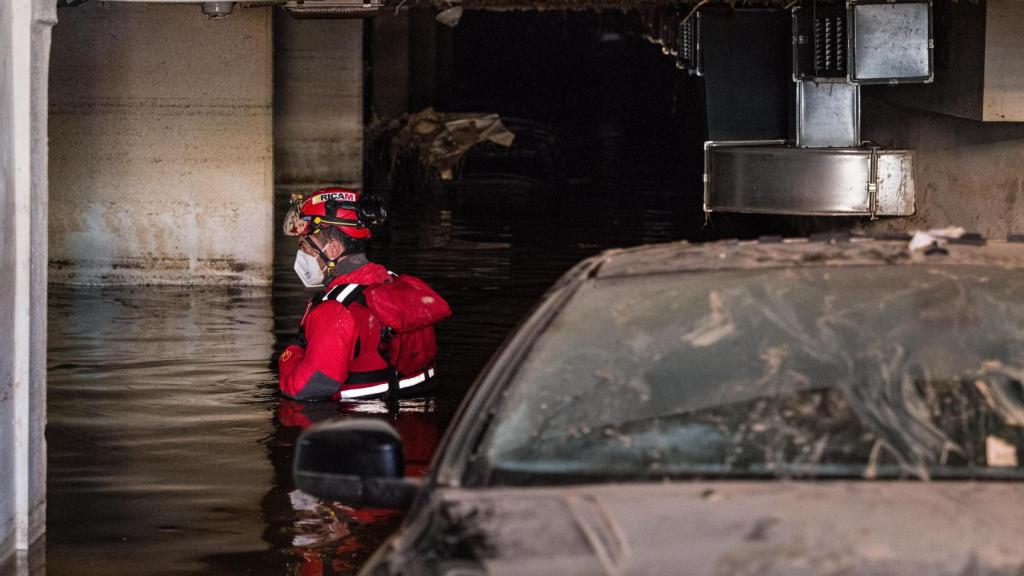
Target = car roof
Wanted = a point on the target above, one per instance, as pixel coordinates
(797, 252)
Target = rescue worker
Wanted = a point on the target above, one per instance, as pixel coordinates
(368, 332)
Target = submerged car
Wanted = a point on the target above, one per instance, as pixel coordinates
(748, 408)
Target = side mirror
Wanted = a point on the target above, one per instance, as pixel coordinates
(357, 462)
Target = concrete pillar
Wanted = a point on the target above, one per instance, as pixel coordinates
(318, 100)
(24, 54)
(967, 173)
(161, 146)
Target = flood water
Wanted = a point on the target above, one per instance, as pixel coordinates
(169, 448)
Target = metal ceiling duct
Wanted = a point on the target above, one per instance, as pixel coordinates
(828, 172)
(827, 114)
(769, 177)
(864, 42)
(332, 8)
(820, 43)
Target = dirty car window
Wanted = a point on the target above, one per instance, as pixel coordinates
(895, 371)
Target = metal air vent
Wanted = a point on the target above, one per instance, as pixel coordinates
(820, 43)
(333, 8)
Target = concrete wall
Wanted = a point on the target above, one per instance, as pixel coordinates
(318, 100)
(24, 54)
(967, 173)
(44, 17)
(1004, 61)
(161, 139)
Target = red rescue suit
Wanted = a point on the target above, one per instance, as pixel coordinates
(342, 357)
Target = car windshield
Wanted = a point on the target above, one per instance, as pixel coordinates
(908, 371)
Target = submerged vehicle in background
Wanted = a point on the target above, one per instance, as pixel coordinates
(845, 406)
(535, 156)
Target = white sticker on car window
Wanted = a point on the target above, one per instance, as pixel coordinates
(1000, 453)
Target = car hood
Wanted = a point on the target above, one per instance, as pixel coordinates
(725, 528)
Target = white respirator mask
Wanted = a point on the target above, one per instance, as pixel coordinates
(308, 269)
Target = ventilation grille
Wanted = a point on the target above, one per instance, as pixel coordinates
(686, 44)
(333, 8)
(820, 42)
(830, 46)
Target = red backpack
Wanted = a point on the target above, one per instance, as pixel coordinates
(409, 308)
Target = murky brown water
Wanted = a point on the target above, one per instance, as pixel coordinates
(169, 450)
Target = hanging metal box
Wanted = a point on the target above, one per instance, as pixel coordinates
(769, 177)
(827, 114)
(890, 42)
(820, 43)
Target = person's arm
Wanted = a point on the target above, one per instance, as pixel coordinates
(317, 371)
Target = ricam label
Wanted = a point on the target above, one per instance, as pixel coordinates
(345, 196)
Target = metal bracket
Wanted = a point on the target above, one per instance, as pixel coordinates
(873, 184)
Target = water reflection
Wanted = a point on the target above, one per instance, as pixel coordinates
(326, 537)
(158, 402)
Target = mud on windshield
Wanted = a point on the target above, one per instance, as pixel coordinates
(908, 371)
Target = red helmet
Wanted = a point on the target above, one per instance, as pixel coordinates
(339, 207)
